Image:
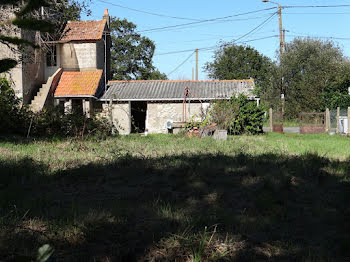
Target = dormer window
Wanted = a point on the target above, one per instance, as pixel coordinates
(51, 56)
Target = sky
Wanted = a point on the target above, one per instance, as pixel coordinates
(313, 22)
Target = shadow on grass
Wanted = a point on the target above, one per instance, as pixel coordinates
(257, 208)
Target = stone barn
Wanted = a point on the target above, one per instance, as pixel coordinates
(154, 105)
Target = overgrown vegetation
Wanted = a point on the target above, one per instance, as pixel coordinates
(17, 119)
(238, 115)
(315, 73)
(14, 116)
(266, 198)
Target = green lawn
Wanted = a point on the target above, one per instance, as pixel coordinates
(275, 197)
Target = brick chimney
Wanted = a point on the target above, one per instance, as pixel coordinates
(106, 17)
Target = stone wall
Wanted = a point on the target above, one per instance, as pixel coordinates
(28, 75)
(159, 113)
(121, 116)
(78, 56)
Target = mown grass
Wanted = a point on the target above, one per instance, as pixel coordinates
(169, 198)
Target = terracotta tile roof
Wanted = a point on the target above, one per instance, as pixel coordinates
(83, 83)
(83, 30)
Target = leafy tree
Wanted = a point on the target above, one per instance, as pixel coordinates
(28, 16)
(24, 20)
(131, 53)
(316, 75)
(240, 62)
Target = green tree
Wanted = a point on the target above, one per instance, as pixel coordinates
(315, 73)
(45, 16)
(131, 53)
(240, 62)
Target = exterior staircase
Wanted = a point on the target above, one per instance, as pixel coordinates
(43, 95)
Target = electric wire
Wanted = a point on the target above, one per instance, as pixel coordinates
(205, 21)
(147, 12)
(188, 58)
(315, 6)
(339, 13)
(325, 37)
(216, 46)
(181, 29)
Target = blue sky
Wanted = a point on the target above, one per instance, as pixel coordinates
(315, 22)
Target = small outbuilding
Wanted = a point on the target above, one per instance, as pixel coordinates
(155, 105)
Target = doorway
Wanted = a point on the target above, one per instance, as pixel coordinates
(138, 117)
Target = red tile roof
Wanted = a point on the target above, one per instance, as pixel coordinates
(83, 83)
(83, 30)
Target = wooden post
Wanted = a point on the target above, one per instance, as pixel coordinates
(348, 121)
(110, 109)
(338, 116)
(271, 120)
(328, 121)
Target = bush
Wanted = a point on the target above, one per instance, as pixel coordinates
(14, 116)
(53, 122)
(17, 119)
(238, 115)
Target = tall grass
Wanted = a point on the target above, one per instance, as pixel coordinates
(271, 197)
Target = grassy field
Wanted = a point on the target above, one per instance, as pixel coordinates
(273, 197)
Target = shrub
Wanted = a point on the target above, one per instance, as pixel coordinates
(238, 115)
(17, 119)
(14, 116)
(53, 122)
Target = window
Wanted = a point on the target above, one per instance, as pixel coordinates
(51, 56)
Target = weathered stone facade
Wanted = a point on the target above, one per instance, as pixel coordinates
(34, 70)
(120, 113)
(158, 113)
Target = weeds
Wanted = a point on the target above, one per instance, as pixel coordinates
(149, 198)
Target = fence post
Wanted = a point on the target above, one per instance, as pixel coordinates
(338, 116)
(271, 120)
(348, 121)
(328, 121)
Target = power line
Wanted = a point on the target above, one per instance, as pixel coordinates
(180, 29)
(181, 64)
(315, 6)
(203, 21)
(147, 12)
(216, 46)
(326, 37)
(340, 13)
(213, 47)
(218, 37)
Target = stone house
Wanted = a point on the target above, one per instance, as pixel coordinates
(159, 105)
(73, 70)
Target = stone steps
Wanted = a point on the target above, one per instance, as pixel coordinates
(41, 97)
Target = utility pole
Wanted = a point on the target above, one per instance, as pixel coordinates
(197, 64)
(281, 29)
(284, 40)
(282, 48)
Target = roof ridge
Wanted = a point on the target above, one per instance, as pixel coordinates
(170, 81)
(83, 21)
